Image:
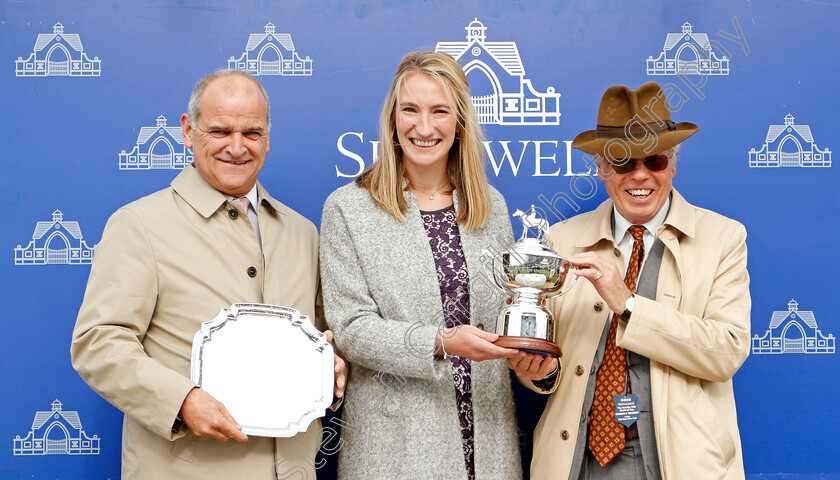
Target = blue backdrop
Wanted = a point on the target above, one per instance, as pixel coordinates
(91, 91)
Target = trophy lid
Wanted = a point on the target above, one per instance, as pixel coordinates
(532, 246)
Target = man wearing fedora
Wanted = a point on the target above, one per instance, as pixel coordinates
(652, 338)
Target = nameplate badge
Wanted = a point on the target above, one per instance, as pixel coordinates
(626, 409)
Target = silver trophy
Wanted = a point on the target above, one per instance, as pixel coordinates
(530, 272)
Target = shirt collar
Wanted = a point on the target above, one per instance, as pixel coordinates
(680, 216)
(622, 225)
(251, 196)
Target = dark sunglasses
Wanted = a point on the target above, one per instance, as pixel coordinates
(654, 163)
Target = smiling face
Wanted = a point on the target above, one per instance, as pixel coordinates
(641, 193)
(230, 138)
(426, 123)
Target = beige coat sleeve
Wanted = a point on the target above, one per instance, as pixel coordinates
(709, 338)
(118, 306)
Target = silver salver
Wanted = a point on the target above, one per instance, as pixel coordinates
(269, 365)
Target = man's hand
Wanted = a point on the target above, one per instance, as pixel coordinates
(470, 342)
(604, 276)
(207, 417)
(340, 377)
(531, 366)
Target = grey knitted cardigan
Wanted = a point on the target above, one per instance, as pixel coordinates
(382, 301)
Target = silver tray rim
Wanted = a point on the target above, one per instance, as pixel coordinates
(317, 340)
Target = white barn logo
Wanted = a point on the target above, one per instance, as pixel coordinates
(789, 145)
(501, 93)
(271, 53)
(55, 242)
(58, 54)
(158, 147)
(689, 53)
(793, 331)
(57, 432)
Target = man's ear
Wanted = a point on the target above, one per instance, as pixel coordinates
(186, 130)
(600, 165)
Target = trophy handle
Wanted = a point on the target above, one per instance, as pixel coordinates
(562, 292)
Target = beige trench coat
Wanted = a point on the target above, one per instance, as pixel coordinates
(696, 334)
(166, 263)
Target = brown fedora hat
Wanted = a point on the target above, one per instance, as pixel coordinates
(633, 123)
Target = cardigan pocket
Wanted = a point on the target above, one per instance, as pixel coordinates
(374, 393)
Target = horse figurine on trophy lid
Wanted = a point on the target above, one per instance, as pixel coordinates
(531, 219)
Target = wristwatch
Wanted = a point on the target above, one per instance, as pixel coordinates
(628, 307)
(177, 425)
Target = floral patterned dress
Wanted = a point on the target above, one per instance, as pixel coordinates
(445, 240)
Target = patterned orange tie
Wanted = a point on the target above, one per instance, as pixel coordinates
(606, 435)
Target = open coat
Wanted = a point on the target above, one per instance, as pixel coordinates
(382, 301)
(696, 334)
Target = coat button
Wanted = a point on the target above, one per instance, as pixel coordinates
(480, 326)
(616, 252)
(579, 370)
(564, 435)
(252, 272)
(232, 213)
(598, 306)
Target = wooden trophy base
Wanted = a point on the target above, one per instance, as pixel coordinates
(530, 345)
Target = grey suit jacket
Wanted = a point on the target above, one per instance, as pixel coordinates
(382, 300)
(166, 263)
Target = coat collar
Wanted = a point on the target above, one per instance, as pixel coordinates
(681, 216)
(205, 199)
(599, 227)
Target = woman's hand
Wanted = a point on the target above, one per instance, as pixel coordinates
(470, 342)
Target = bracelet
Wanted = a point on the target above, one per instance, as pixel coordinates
(445, 355)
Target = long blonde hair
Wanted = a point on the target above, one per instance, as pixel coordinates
(466, 164)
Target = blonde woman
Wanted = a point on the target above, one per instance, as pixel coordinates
(405, 294)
